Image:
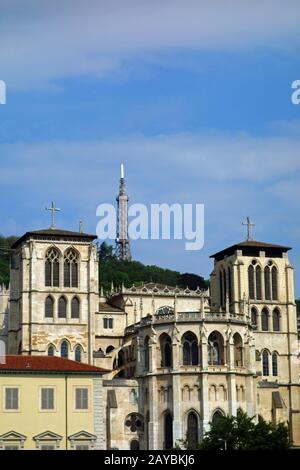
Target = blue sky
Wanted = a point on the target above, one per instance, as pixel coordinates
(194, 97)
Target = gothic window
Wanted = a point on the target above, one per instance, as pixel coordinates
(274, 365)
(50, 351)
(165, 311)
(221, 287)
(258, 282)
(265, 362)
(190, 349)
(251, 282)
(71, 268)
(75, 308)
(134, 422)
(217, 416)
(254, 316)
(52, 268)
(64, 349)
(265, 320)
(166, 350)
(215, 349)
(276, 320)
(168, 431)
(267, 283)
(78, 353)
(229, 286)
(49, 307)
(134, 444)
(62, 307)
(274, 283)
(108, 323)
(192, 429)
(147, 353)
(238, 350)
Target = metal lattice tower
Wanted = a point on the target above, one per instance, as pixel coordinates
(122, 240)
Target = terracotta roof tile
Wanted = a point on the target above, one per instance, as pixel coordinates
(46, 363)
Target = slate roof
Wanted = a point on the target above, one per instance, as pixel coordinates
(252, 246)
(53, 233)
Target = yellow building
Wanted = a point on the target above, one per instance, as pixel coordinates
(50, 403)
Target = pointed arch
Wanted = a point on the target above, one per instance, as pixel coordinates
(190, 350)
(64, 349)
(50, 350)
(78, 353)
(265, 319)
(62, 307)
(52, 261)
(265, 362)
(275, 364)
(274, 283)
(192, 428)
(49, 307)
(75, 307)
(254, 317)
(168, 430)
(215, 349)
(166, 350)
(71, 261)
(217, 415)
(258, 274)
(251, 282)
(238, 350)
(267, 283)
(276, 319)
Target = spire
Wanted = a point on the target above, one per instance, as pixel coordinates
(122, 239)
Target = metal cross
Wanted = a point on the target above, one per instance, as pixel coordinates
(52, 209)
(249, 225)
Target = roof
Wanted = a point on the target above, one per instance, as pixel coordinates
(51, 364)
(105, 307)
(53, 233)
(252, 247)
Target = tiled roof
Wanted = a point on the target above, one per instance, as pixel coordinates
(105, 307)
(46, 364)
(250, 244)
(54, 232)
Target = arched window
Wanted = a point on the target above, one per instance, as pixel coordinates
(192, 429)
(265, 362)
(78, 353)
(71, 268)
(50, 351)
(215, 349)
(217, 416)
(274, 364)
(253, 316)
(267, 283)
(75, 308)
(166, 350)
(64, 349)
(49, 307)
(229, 285)
(251, 282)
(276, 320)
(168, 431)
(274, 283)
(265, 320)
(109, 349)
(62, 307)
(258, 282)
(238, 350)
(134, 444)
(221, 287)
(190, 350)
(52, 268)
(147, 353)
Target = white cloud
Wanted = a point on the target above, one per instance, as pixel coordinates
(42, 42)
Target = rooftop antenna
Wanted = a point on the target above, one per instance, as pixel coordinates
(123, 251)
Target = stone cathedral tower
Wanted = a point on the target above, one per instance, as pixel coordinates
(53, 294)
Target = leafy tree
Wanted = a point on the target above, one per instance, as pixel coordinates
(241, 433)
(5, 244)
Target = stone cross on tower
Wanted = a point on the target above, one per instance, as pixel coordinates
(249, 225)
(52, 209)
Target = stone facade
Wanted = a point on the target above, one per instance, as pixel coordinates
(178, 358)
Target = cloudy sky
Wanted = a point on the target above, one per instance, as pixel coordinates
(193, 96)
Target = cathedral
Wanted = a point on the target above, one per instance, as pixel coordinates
(176, 359)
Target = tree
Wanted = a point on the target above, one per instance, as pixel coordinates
(241, 433)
